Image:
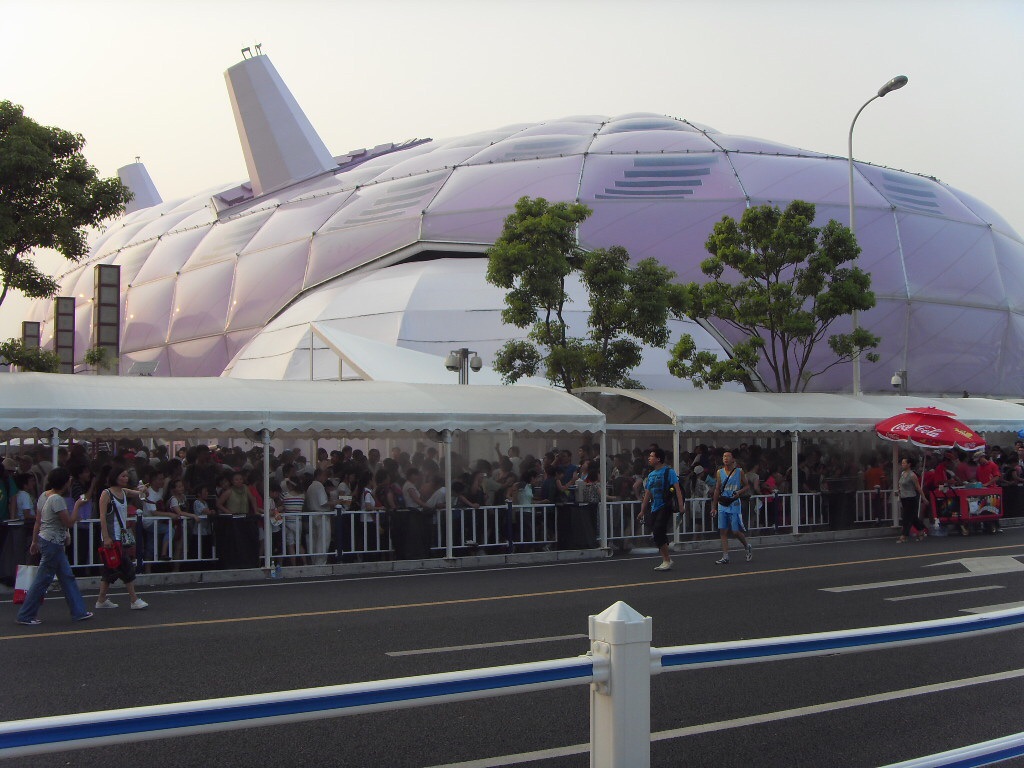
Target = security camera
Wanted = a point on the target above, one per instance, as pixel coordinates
(476, 363)
(896, 380)
(452, 362)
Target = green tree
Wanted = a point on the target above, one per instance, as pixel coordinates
(794, 281)
(14, 352)
(49, 195)
(533, 258)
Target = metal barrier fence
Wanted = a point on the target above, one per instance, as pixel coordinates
(618, 667)
(874, 507)
(317, 537)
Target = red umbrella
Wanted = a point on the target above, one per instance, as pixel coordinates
(929, 427)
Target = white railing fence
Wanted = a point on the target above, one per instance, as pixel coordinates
(874, 507)
(618, 669)
(316, 537)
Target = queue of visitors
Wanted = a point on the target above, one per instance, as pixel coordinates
(204, 497)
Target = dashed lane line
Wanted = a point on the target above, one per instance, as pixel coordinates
(477, 646)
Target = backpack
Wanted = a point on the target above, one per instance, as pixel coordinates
(668, 493)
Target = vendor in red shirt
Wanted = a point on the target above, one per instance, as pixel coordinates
(944, 474)
(967, 470)
(988, 470)
(934, 475)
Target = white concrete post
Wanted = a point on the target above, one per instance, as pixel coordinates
(620, 708)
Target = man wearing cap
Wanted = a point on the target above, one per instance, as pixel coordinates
(988, 470)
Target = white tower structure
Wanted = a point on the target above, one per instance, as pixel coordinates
(137, 179)
(278, 141)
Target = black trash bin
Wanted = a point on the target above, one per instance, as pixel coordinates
(583, 528)
(841, 501)
(410, 533)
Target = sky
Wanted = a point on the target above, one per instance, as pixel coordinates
(145, 79)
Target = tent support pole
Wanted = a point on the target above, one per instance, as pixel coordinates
(54, 444)
(603, 509)
(794, 498)
(895, 485)
(268, 538)
(446, 436)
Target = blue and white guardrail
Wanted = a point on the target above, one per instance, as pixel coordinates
(19, 738)
(622, 633)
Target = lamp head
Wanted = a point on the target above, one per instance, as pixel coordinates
(893, 85)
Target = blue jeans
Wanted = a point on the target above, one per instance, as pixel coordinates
(53, 561)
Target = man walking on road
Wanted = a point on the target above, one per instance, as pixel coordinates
(729, 486)
(661, 484)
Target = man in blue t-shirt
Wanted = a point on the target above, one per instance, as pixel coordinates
(660, 483)
(729, 486)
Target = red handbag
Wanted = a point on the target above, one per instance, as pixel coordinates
(111, 556)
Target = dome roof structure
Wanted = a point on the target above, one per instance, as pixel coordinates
(389, 243)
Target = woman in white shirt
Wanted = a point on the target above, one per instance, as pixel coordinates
(49, 535)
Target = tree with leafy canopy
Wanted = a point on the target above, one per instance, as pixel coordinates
(14, 352)
(49, 194)
(534, 258)
(794, 281)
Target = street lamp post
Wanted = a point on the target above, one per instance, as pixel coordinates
(893, 85)
(460, 360)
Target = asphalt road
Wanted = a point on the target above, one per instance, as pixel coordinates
(864, 709)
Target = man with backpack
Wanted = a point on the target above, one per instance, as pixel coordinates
(663, 496)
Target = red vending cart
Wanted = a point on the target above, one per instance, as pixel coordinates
(963, 506)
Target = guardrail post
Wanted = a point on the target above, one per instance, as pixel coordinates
(620, 707)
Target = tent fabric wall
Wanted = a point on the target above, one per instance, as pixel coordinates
(34, 402)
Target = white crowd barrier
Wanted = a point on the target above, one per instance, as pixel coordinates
(618, 668)
(318, 537)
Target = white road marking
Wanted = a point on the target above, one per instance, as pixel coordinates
(976, 566)
(903, 582)
(451, 648)
(992, 564)
(989, 608)
(943, 594)
(743, 722)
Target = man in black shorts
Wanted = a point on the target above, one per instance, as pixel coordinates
(660, 484)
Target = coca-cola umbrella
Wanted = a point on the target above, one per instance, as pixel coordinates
(930, 427)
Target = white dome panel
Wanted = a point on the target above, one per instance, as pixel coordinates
(265, 282)
(147, 315)
(201, 302)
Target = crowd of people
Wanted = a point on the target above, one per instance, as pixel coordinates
(179, 500)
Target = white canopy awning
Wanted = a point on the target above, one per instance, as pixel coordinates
(31, 402)
(722, 411)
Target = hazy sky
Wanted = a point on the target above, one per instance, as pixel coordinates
(145, 79)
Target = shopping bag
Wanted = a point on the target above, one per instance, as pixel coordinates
(22, 581)
(111, 556)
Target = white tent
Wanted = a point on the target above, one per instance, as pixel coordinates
(31, 402)
(63, 404)
(709, 411)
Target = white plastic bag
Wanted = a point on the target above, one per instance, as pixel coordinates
(22, 581)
